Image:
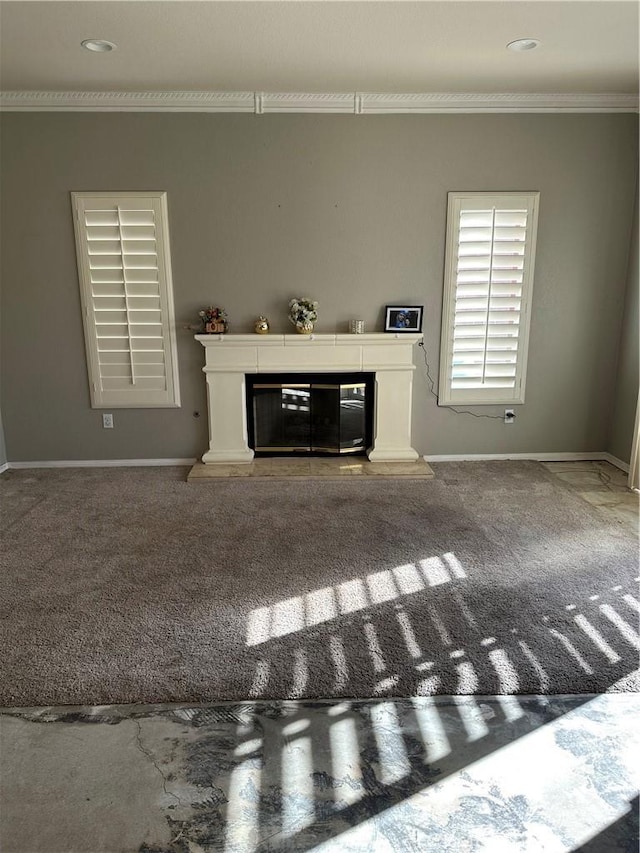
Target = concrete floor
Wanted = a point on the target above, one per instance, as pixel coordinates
(439, 774)
(495, 774)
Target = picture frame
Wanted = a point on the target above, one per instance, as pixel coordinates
(403, 318)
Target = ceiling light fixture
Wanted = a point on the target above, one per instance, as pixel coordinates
(98, 45)
(523, 44)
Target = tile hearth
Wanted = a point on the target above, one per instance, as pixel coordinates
(312, 468)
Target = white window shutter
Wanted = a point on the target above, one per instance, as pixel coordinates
(124, 268)
(488, 285)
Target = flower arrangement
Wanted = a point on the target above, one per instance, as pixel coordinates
(214, 320)
(303, 313)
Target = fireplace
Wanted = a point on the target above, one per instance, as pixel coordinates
(235, 360)
(310, 414)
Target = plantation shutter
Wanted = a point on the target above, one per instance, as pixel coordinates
(487, 297)
(127, 300)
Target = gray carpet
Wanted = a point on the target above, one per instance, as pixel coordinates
(130, 585)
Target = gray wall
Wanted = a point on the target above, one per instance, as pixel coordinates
(3, 446)
(626, 396)
(3, 449)
(349, 210)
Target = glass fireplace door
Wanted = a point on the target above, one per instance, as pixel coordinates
(315, 414)
(282, 417)
(338, 421)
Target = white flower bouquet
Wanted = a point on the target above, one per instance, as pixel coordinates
(303, 312)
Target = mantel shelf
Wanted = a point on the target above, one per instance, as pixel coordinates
(338, 339)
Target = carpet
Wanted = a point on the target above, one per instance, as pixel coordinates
(131, 585)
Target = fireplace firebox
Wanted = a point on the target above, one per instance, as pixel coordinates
(310, 414)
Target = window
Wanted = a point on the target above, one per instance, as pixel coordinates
(124, 269)
(487, 297)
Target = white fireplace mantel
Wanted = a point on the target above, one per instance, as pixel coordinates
(229, 357)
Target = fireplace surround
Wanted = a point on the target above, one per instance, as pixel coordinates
(229, 358)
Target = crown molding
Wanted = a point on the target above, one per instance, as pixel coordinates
(224, 102)
(500, 102)
(358, 103)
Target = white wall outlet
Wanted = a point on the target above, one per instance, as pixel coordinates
(107, 421)
(509, 416)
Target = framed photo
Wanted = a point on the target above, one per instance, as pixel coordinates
(403, 318)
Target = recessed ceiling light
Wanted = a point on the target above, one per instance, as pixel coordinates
(98, 45)
(523, 44)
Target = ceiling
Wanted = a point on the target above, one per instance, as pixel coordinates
(340, 46)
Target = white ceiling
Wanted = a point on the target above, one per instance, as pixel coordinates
(367, 46)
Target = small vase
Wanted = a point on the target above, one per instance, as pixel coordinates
(304, 328)
(261, 326)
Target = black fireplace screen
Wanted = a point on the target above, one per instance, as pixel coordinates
(312, 414)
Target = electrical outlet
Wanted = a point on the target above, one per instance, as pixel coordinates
(107, 421)
(509, 416)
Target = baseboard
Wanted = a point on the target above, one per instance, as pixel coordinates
(447, 457)
(534, 457)
(623, 466)
(101, 463)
